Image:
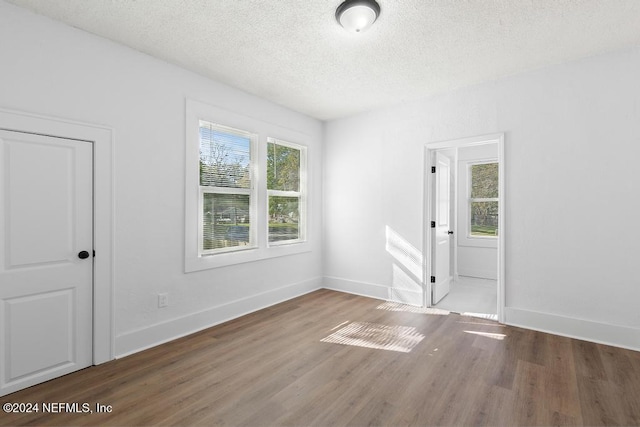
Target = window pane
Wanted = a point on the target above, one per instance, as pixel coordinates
(225, 220)
(284, 215)
(283, 167)
(484, 181)
(224, 157)
(484, 218)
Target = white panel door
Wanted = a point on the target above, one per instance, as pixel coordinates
(442, 236)
(46, 288)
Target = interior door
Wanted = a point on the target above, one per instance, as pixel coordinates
(442, 231)
(46, 258)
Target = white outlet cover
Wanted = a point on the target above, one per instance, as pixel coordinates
(163, 300)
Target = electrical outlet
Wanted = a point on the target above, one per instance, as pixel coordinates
(163, 300)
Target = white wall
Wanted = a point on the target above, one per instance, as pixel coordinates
(476, 257)
(572, 144)
(52, 69)
(478, 262)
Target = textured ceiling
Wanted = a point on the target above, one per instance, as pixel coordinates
(293, 52)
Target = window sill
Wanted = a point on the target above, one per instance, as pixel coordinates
(206, 262)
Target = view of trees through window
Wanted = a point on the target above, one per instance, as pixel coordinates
(225, 177)
(484, 199)
(283, 187)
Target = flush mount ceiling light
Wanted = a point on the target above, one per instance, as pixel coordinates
(357, 15)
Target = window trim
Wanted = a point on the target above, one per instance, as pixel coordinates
(471, 200)
(464, 222)
(251, 192)
(196, 111)
(301, 195)
(252, 232)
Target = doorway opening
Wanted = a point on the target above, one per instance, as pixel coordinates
(464, 226)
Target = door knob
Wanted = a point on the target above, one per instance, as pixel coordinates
(449, 232)
(83, 254)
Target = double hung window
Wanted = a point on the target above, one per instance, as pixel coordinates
(245, 189)
(285, 192)
(227, 196)
(483, 200)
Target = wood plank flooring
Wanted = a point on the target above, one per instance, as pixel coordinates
(271, 368)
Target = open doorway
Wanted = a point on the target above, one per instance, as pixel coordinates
(464, 229)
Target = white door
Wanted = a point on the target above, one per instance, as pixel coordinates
(442, 231)
(46, 222)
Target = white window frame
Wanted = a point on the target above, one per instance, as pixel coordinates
(251, 192)
(465, 237)
(471, 200)
(196, 261)
(301, 194)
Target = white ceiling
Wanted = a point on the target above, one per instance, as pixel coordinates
(294, 53)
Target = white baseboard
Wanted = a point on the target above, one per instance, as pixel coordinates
(372, 290)
(587, 330)
(357, 288)
(142, 339)
(481, 274)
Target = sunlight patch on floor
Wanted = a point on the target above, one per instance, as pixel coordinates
(373, 335)
(487, 316)
(396, 306)
(476, 322)
(487, 335)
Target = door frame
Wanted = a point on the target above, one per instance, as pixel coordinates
(102, 139)
(429, 204)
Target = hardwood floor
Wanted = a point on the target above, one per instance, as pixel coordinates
(393, 367)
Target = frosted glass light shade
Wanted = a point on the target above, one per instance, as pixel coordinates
(357, 15)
